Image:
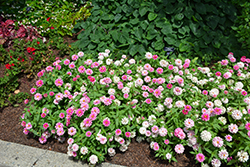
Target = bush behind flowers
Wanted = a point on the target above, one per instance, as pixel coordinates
(102, 104)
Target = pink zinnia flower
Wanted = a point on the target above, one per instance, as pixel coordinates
(71, 65)
(38, 96)
(43, 115)
(169, 86)
(51, 93)
(81, 69)
(166, 141)
(45, 125)
(155, 57)
(225, 92)
(79, 112)
(156, 146)
(127, 134)
(87, 122)
(205, 117)
(72, 131)
(39, 83)
(228, 138)
(106, 122)
(217, 111)
(159, 70)
(170, 67)
(155, 129)
(129, 72)
(74, 57)
(25, 131)
(125, 95)
(89, 72)
(92, 116)
(61, 115)
(118, 132)
(59, 125)
(33, 90)
(145, 94)
(247, 126)
(96, 102)
(66, 62)
(188, 107)
(236, 67)
(148, 101)
(124, 77)
(205, 92)
(70, 141)
(60, 132)
(59, 82)
(102, 69)
(42, 139)
(185, 112)
(179, 149)
(88, 133)
(103, 140)
(200, 157)
(244, 93)
(23, 123)
(218, 73)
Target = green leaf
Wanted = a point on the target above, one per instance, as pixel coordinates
(117, 17)
(141, 50)
(193, 27)
(179, 16)
(169, 40)
(143, 10)
(136, 13)
(151, 34)
(159, 45)
(200, 8)
(133, 50)
(134, 21)
(182, 30)
(138, 32)
(184, 47)
(213, 21)
(152, 16)
(114, 35)
(144, 24)
(188, 12)
(167, 29)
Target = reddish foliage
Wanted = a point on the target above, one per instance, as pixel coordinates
(8, 32)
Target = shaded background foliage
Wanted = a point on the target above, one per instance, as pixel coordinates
(194, 28)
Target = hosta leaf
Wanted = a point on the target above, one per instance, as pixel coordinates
(159, 45)
(188, 12)
(169, 40)
(143, 10)
(141, 49)
(179, 16)
(167, 29)
(117, 17)
(151, 16)
(213, 21)
(133, 50)
(200, 8)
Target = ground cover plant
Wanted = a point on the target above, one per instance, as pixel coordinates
(194, 28)
(102, 104)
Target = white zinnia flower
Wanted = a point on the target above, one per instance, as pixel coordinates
(223, 120)
(125, 121)
(84, 150)
(131, 61)
(206, 136)
(93, 159)
(142, 130)
(217, 103)
(111, 91)
(237, 114)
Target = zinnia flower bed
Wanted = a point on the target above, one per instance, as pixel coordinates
(102, 104)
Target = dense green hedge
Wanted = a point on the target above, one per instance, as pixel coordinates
(194, 27)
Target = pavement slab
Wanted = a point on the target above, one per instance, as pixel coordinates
(18, 155)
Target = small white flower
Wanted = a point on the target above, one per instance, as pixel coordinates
(93, 159)
(168, 155)
(84, 150)
(142, 130)
(131, 61)
(223, 120)
(145, 124)
(206, 136)
(125, 121)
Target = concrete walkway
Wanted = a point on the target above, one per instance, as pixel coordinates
(17, 155)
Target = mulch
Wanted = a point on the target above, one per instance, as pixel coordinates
(137, 155)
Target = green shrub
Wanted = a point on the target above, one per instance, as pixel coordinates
(194, 28)
(242, 25)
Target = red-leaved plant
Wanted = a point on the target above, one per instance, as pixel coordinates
(8, 32)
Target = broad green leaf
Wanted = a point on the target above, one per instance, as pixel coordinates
(114, 34)
(193, 27)
(212, 21)
(152, 16)
(141, 50)
(134, 21)
(169, 40)
(188, 12)
(117, 17)
(143, 10)
(179, 16)
(144, 24)
(159, 45)
(136, 13)
(133, 50)
(184, 47)
(200, 8)
(182, 30)
(167, 29)
(138, 32)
